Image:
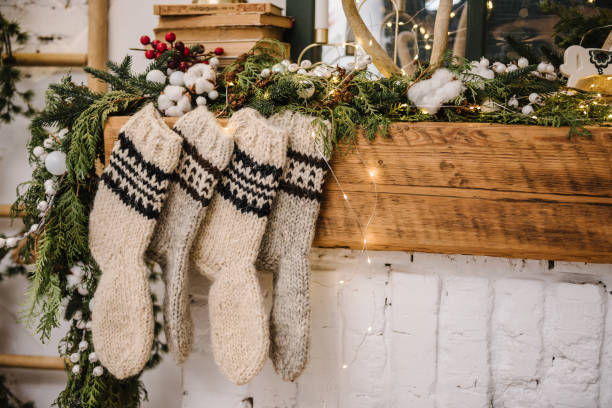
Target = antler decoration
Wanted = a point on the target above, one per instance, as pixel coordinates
(440, 32)
(366, 40)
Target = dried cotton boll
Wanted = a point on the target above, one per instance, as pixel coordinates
(200, 101)
(163, 102)
(177, 78)
(157, 76)
(542, 67)
(203, 85)
(174, 111)
(214, 61)
(535, 98)
(522, 62)
(185, 103)
(293, 67)
(513, 102)
(174, 93)
(430, 94)
(527, 110)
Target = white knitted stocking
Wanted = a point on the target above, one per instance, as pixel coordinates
(206, 152)
(127, 205)
(286, 245)
(228, 243)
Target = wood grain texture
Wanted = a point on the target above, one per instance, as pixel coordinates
(200, 9)
(36, 362)
(50, 59)
(497, 190)
(251, 19)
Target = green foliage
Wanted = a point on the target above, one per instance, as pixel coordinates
(11, 99)
(575, 27)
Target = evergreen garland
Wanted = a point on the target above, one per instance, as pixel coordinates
(9, 75)
(349, 100)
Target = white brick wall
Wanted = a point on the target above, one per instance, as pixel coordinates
(424, 330)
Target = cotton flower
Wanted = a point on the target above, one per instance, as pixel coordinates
(430, 94)
(200, 79)
(478, 74)
(174, 101)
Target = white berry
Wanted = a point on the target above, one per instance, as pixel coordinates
(522, 62)
(2, 242)
(213, 95)
(78, 315)
(265, 72)
(200, 101)
(75, 357)
(34, 227)
(534, 98)
(98, 371)
(38, 151)
(83, 345)
(527, 110)
(306, 64)
(76, 369)
(42, 206)
(48, 143)
(93, 357)
(542, 67)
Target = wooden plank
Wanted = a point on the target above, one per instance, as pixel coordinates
(50, 59)
(245, 33)
(509, 191)
(176, 22)
(97, 41)
(203, 9)
(37, 362)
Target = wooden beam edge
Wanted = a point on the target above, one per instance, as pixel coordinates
(34, 362)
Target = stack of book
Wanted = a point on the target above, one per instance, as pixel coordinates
(235, 27)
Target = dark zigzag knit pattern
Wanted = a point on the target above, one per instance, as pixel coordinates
(196, 175)
(304, 175)
(250, 186)
(138, 183)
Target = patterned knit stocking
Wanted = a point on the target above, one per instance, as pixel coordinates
(206, 152)
(127, 205)
(286, 245)
(228, 243)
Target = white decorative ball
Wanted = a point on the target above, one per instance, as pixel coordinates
(78, 315)
(55, 163)
(511, 68)
(62, 133)
(306, 90)
(75, 357)
(33, 227)
(293, 67)
(542, 67)
(170, 71)
(527, 110)
(81, 324)
(83, 345)
(306, 64)
(265, 72)
(2, 242)
(88, 325)
(82, 289)
(522, 62)
(484, 62)
(48, 142)
(156, 75)
(98, 371)
(38, 151)
(177, 78)
(214, 61)
(212, 95)
(302, 71)
(93, 357)
(76, 369)
(11, 242)
(535, 98)
(286, 62)
(200, 101)
(279, 68)
(550, 68)
(42, 206)
(499, 68)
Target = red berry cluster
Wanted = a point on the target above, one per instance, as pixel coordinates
(182, 57)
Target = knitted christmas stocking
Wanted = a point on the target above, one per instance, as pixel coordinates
(126, 208)
(286, 245)
(206, 152)
(228, 243)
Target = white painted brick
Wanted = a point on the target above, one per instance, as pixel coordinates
(463, 356)
(605, 386)
(516, 344)
(573, 335)
(415, 302)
